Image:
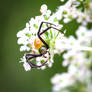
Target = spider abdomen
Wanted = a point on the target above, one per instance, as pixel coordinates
(37, 43)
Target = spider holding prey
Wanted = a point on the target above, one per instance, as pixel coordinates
(44, 51)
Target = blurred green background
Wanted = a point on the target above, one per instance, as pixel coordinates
(13, 78)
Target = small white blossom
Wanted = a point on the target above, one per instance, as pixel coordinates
(26, 66)
(62, 0)
(62, 80)
(24, 48)
(43, 8)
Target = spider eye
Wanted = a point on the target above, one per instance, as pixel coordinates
(38, 43)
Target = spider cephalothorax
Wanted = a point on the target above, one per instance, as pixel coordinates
(41, 45)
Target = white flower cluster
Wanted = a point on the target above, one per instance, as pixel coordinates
(78, 58)
(29, 41)
(70, 10)
(75, 9)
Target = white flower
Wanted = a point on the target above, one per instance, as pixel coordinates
(89, 88)
(70, 11)
(26, 66)
(43, 8)
(24, 48)
(28, 35)
(61, 81)
(77, 58)
(81, 33)
(62, 0)
(66, 20)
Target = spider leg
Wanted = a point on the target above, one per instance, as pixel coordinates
(45, 23)
(34, 56)
(40, 33)
(40, 36)
(50, 28)
(45, 30)
(31, 64)
(31, 57)
(48, 23)
(36, 66)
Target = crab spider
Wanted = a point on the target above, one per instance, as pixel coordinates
(30, 56)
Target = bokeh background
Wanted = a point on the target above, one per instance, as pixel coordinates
(13, 78)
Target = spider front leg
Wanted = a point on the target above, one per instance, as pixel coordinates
(50, 28)
(40, 33)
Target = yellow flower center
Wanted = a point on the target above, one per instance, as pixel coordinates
(37, 43)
